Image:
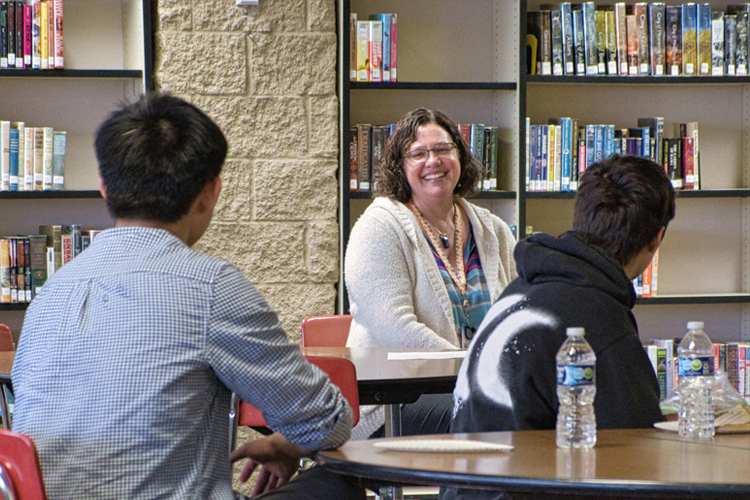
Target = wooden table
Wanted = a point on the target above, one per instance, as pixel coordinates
(633, 463)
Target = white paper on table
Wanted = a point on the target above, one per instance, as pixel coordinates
(427, 355)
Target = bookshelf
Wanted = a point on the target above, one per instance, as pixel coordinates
(467, 57)
(108, 60)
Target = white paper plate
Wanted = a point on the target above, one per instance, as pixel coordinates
(442, 445)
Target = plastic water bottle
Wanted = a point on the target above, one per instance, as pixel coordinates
(696, 370)
(576, 388)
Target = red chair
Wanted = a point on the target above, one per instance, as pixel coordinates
(342, 373)
(6, 338)
(326, 331)
(19, 464)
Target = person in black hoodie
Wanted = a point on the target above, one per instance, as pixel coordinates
(579, 279)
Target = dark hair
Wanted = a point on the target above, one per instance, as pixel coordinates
(390, 175)
(155, 156)
(622, 203)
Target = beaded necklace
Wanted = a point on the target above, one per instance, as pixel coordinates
(458, 275)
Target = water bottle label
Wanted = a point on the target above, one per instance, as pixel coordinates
(575, 375)
(696, 367)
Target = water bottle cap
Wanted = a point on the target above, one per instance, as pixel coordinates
(695, 325)
(576, 331)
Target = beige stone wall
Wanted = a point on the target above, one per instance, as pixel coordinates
(267, 76)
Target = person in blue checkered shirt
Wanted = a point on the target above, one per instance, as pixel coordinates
(129, 353)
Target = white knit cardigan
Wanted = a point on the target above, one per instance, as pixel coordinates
(396, 293)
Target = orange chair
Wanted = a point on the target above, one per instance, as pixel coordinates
(6, 338)
(19, 466)
(342, 373)
(326, 331)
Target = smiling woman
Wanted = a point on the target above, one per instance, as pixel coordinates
(423, 265)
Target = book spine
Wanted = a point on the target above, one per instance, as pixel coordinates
(363, 51)
(375, 44)
(394, 32)
(353, 46)
(717, 43)
(567, 39)
(689, 39)
(385, 22)
(20, 270)
(50, 34)
(730, 44)
(353, 158)
(574, 159)
(674, 39)
(704, 38)
(47, 147)
(28, 159)
(4, 155)
(36, 35)
(545, 43)
(13, 160)
(544, 155)
(632, 44)
(38, 158)
(364, 132)
(38, 251)
(655, 274)
(493, 157)
(556, 39)
(21, 128)
(691, 130)
(622, 38)
(589, 31)
(44, 34)
(687, 163)
(742, 40)
(609, 140)
(528, 163)
(59, 140)
(532, 156)
(59, 52)
(13, 249)
(580, 41)
(5, 286)
(11, 19)
(601, 41)
(3, 34)
(673, 165)
(646, 285)
(553, 182)
(598, 143)
(641, 17)
(53, 232)
(658, 39)
(20, 55)
(28, 44)
(376, 151)
(477, 144)
(611, 39)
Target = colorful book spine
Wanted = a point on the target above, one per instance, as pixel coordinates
(5, 284)
(492, 174)
(589, 31)
(688, 169)
(641, 16)
(567, 39)
(4, 155)
(622, 38)
(59, 39)
(59, 140)
(38, 251)
(21, 128)
(363, 51)
(20, 55)
(364, 132)
(717, 43)
(28, 158)
(610, 51)
(545, 43)
(3, 34)
(689, 39)
(353, 158)
(703, 17)
(13, 160)
(44, 34)
(11, 33)
(674, 39)
(632, 26)
(579, 40)
(47, 148)
(28, 44)
(353, 46)
(730, 44)
(556, 39)
(36, 34)
(375, 47)
(657, 35)
(601, 41)
(741, 58)
(394, 44)
(385, 20)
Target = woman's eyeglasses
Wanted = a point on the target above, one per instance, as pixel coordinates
(421, 155)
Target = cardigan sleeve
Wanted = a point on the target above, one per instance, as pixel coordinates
(380, 278)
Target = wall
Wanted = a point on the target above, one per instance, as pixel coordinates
(267, 76)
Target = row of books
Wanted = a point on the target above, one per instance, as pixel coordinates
(27, 261)
(560, 151)
(646, 285)
(656, 39)
(367, 143)
(731, 357)
(31, 158)
(372, 48)
(31, 34)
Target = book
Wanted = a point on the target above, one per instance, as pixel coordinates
(44, 34)
(655, 274)
(353, 158)
(674, 39)
(28, 158)
(53, 233)
(646, 281)
(589, 32)
(610, 52)
(657, 36)
(36, 34)
(13, 160)
(477, 144)
(622, 38)
(59, 140)
(689, 39)
(394, 51)
(375, 45)
(673, 161)
(13, 268)
(574, 160)
(717, 43)
(24, 269)
(353, 46)
(601, 41)
(669, 358)
(485, 181)
(657, 356)
(579, 40)
(20, 43)
(364, 133)
(556, 41)
(363, 51)
(21, 128)
(545, 44)
(703, 17)
(50, 34)
(688, 174)
(47, 147)
(38, 252)
(28, 46)
(632, 26)
(3, 34)
(566, 146)
(690, 129)
(566, 13)
(5, 286)
(553, 158)
(70, 236)
(655, 126)
(11, 34)
(4, 155)
(377, 149)
(492, 171)
(741, 24)
(385, 20)
(730, 44)
(640, 11)
(57, 56)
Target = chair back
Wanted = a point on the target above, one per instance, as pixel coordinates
(20, 464)
(326, 331)
(6, 338)
(342, 373)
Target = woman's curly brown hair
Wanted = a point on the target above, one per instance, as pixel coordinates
(389, 174)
